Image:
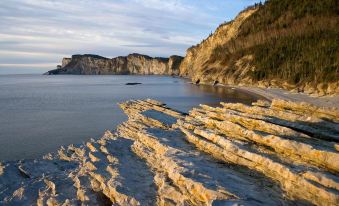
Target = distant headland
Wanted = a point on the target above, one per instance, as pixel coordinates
(89, 64)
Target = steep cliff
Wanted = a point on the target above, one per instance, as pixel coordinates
(289, 44)
(197, 57)
(132, 64)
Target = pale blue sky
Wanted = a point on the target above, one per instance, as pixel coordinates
(36, 34)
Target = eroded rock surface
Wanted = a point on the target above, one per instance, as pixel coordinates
(279, 153)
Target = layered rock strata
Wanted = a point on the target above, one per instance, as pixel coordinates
(131, 64)
(278, 153)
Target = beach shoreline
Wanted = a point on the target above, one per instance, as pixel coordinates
(278, 93)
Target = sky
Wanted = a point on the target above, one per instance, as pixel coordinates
(36, 34)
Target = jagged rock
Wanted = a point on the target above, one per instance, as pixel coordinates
(271, 153)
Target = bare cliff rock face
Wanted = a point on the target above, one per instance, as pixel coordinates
(197, 57)
(65, 61)
(272, 45)
(279, 153)
(132, 64)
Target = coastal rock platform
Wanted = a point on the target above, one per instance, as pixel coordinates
(270, 153)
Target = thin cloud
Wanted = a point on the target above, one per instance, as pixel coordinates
(36, 32)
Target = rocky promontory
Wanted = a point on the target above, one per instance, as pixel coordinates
(270, 153)
(279, 44)
(89, 64)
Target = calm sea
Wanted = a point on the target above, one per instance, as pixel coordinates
(40, 113)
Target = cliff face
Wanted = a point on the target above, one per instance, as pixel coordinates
(197, 57)
(284, 43)
(65, 61)
(131, 64)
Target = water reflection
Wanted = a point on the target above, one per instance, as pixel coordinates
(224, 93)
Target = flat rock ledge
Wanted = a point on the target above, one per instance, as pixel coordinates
(270, 153)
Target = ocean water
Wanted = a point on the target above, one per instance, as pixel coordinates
(39, 113)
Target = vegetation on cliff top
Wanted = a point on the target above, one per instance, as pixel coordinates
(295, 41)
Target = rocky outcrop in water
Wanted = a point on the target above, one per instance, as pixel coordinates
(279, 153)
(132, 64)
